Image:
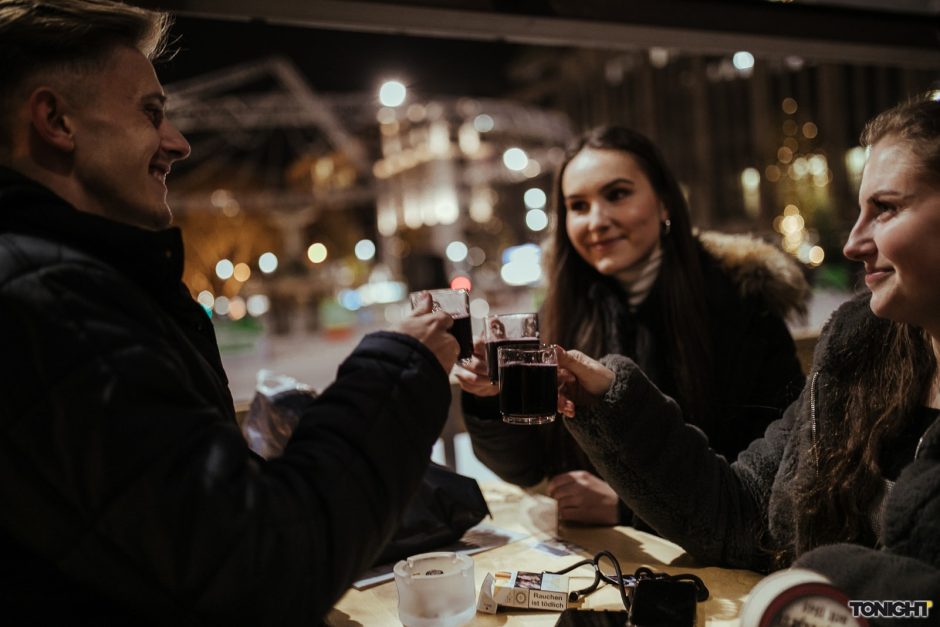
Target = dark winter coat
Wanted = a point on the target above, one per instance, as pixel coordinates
(129, 495)
(734, 514)
(750, 288)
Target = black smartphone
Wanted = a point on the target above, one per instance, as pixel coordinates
(663, 603)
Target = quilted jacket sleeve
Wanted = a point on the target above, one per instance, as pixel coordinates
(118, 467)
(664, 470)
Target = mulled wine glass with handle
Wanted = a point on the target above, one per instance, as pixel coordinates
(456, 303)
(528, 384)
(520, 330)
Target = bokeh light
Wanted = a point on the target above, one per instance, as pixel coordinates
(267, 262)
(535, 198)
(536, 219)
(392, 93)
(365, 249)
(515, 159)
(317, 252)
(457, 251)
(224, 269)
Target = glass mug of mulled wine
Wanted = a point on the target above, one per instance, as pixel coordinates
(520, 330)
(528, 384)
(457, 304)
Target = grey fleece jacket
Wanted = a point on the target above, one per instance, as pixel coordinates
(732, 514)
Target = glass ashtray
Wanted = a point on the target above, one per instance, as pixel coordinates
(435, 590)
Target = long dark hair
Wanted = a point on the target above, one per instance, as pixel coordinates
(573, 319)
(889, 386)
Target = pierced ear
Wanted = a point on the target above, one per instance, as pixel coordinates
(48, 117)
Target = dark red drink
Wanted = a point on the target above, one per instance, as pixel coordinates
(492, 349)
(464, 334)
(528, 389)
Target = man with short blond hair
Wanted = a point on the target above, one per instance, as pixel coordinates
(129, 496)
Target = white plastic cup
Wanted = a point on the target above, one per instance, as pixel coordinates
(435, 590)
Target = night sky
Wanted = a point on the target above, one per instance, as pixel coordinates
(344, 61)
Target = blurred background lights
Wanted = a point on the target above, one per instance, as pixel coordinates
(221, 197)
(267, 262)
(468, 139)
(532, 169)
(385, 115)
(855, 160)
(447, 211)
(789, 106)
(344, 275)
(515, 159)
(536, 219)
(750, 185)
(476, 256)
(792, 224)
(392, 93)
(221, 305)
(224, 269)
(750, 178)
(237, 308)
(381, 291)
(521, 264)
(479, 308)
(206, 299)
(316, 253)
(535, 198)
(659, 57)
(743, 60)
(416, 113)
(461, 283)
(365, 249)
(800, 167)
(258, 305)
(349, 299)
(457, 251)
(242, 272)
(483, 123)
(816, 255)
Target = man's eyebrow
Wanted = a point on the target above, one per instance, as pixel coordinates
(889, 193)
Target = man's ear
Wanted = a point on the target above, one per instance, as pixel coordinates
(49, 117)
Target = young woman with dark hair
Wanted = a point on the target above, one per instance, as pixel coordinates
(848, 481)
(703, 315)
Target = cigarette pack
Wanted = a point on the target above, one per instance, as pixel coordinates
(533, 591)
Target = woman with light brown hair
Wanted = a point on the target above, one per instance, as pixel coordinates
(848, 481)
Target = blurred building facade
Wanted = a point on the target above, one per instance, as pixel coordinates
(312, 211)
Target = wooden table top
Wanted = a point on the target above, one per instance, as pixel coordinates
(534, 514)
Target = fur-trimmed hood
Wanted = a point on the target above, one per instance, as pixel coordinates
(760, 269)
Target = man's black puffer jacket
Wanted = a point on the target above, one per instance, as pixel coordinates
(129, 495)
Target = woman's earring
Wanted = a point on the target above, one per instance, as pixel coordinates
(667, 227)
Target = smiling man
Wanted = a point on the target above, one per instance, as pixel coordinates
(129, 496)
